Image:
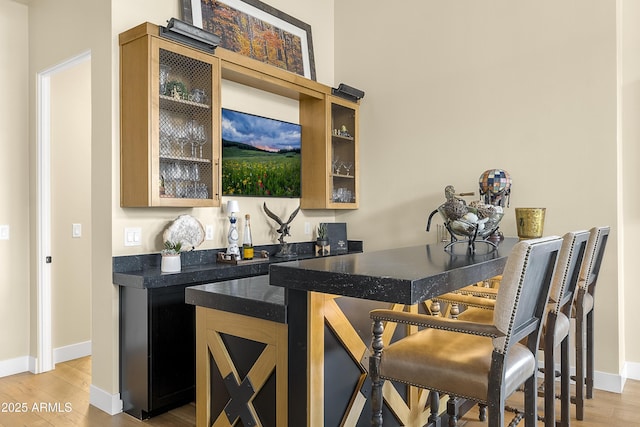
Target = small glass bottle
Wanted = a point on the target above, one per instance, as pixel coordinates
(247, 243)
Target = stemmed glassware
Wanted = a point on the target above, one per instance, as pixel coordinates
(182, 137)
(334, 165)
(348, 166)
(200, 137)
(191, 133)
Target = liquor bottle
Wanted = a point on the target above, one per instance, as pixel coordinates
(247, 243)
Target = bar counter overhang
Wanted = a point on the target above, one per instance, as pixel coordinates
(328, 331)
(407, 275)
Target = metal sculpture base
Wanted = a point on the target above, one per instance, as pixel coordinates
(286, 251)
(496, 236)
(471, 241)
(491, 236)
(472, 244)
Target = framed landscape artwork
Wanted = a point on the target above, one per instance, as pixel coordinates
(256, 30)
(260, 156)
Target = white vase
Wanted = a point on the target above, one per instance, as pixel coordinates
(170, 263)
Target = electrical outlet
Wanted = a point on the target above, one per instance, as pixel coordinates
(133, 236)
(307, 228)
(4, 232)
(209, 232)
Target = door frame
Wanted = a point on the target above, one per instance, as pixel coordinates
(44, 354)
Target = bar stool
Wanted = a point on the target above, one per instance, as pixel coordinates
(556, 324)
(584, 316)
(484, 363)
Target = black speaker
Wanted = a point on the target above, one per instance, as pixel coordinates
(190, 35)
(348, 92)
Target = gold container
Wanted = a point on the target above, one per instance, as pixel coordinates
(530, 222)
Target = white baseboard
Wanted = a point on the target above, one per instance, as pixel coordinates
(613, 383)
(608, 382)
(15, 366)
(632, 370)
(28, 363)
(70, 352)
(107, 402)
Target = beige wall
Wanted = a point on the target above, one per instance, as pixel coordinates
(59, 31)
(71, 203)
(455, 88)
(630, 153)
(14, 175)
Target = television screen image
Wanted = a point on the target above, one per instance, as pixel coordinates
(260, 156)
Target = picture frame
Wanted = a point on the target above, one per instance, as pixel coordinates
(282, 40)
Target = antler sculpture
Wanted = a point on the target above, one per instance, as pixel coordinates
(283, 230)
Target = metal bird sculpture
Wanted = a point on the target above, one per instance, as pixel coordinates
(285, 251)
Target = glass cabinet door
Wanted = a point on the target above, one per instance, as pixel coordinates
(169, 123)
(344, 155)
(185, 161)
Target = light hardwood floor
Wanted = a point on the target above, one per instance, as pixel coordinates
(61, 398)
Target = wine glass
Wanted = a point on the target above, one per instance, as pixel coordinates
(192, 126)
(182, 137)
(200, 137)
(334, 165)
(348, 166)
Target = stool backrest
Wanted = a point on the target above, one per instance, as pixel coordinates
(524, 290)
(593, 257)
(570, 259)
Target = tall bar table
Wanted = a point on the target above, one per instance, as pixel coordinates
(329, 332)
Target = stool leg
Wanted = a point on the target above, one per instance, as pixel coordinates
(590, 367)
(549, 376)
(434, 403)
(374, 372)
(580, 356)
(482, 412)
(565, 392)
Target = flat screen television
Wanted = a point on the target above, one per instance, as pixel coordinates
(260, 156)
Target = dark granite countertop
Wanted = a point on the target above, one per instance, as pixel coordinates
(143, 271)
(404, 275)
(252, 296)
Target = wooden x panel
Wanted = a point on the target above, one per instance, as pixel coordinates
(210, 325)
(325, 310)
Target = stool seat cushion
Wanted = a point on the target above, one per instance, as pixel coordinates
(458, 362)
(587, 300)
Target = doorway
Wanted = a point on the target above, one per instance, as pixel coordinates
(64, 193)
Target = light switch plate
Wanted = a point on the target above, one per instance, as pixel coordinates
(76, 230)
(133, 236)
(4, 232)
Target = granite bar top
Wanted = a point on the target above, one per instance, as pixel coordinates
(405, 275)
(143, 271)
(252, 296)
